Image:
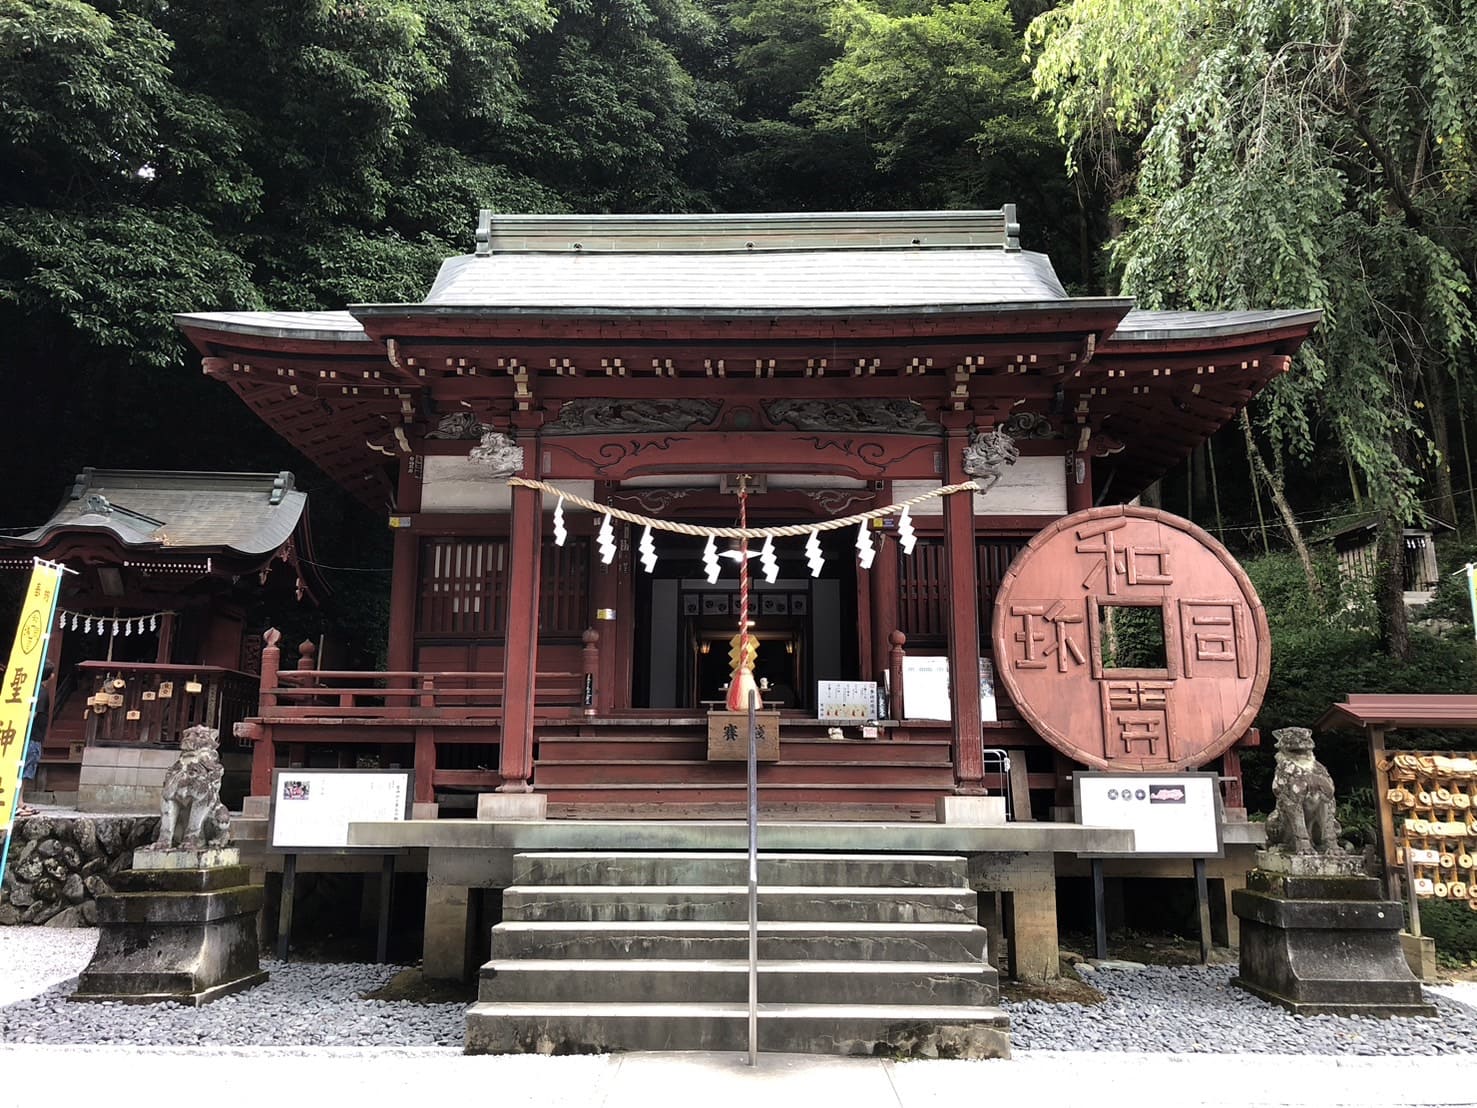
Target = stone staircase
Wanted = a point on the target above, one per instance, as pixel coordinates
(859, 954)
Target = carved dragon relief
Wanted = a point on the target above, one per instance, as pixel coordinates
(989, 453)
(597, 416)
(459, 425)
(878, 416)
(499, 453)
(1030, 425)
(838, 501)
(654, 501)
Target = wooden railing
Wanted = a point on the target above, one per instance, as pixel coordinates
(148, 704)
(310, 693)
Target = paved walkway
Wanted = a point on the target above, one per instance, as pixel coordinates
(118, 1077)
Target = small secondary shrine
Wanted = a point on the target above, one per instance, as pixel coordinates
(156, 626)
(826, 366)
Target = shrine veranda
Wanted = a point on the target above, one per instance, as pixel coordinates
(836, 363)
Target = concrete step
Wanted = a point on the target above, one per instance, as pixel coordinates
(727, 982)
(922, 1031)
(845, 941)
(724, 868)
(730, 902)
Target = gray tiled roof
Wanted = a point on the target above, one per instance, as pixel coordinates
(179, 511)
(1145, 326)
(797, 279)
(319, 326)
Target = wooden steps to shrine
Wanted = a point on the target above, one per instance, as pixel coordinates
(612, 773)
(858, 954)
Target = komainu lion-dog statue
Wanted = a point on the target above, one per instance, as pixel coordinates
(1304, 821)
(191, 815)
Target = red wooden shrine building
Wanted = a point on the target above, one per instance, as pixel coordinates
(156, 625)
(842, 362)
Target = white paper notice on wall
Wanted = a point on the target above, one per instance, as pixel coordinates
(1171, 815)
(988, 711)
(926, 687)
(848, 700)
(312, 808)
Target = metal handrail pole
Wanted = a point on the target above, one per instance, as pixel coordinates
(753, 881)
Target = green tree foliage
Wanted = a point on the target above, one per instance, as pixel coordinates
(1294, 153)
(869, 103)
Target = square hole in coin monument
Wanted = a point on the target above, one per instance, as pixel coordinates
(1131, 636)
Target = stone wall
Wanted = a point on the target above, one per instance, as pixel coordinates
(59, 864)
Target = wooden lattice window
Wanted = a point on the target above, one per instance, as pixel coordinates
(464, 586)
(564, 591)
(921, 583)
(992, 559)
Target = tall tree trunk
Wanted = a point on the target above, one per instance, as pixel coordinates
(1434, 379)
(1394, 623)
(1284, 509)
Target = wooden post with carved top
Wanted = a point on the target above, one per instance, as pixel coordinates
(264, 749)
(895, 658)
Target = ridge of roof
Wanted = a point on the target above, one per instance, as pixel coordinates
(746, 233)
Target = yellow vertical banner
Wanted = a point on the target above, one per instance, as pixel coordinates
(22, 679)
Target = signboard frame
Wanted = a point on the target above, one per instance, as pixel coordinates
(1202, 780)
(831, 692)
(278, 774)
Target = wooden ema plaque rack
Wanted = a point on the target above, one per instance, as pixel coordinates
(1432, 803)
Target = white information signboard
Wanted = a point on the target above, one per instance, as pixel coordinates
(1171, 815)
(926, 687)
(846, 700)
(312, 808)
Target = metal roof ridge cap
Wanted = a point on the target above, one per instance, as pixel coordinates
(423, 308)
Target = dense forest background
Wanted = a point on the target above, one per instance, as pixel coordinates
(159, 156)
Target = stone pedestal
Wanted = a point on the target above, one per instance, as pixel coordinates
(1318, 939)
(181, 927)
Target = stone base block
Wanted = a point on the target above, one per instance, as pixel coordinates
(1326, 957)
(1310, 865)
(423, 809)
(186, 859)
(182, 935)
(1420, 955)
(256, 807)
(972, 811)
(501, 806)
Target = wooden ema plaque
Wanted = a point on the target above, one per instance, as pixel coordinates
(728, 736)
(1430, 800)
(1203, 641)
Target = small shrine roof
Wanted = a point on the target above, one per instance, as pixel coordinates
(253, 514)
(1150, 326)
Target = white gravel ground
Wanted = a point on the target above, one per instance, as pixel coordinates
(308, 1032)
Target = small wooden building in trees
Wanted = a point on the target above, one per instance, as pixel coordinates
(827, 364)
(157, 628)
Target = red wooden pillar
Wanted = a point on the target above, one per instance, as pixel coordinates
(609, 586)
(405, 581)
(963, 615)
(520, 664)
(1079, 480)
(883, 602)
